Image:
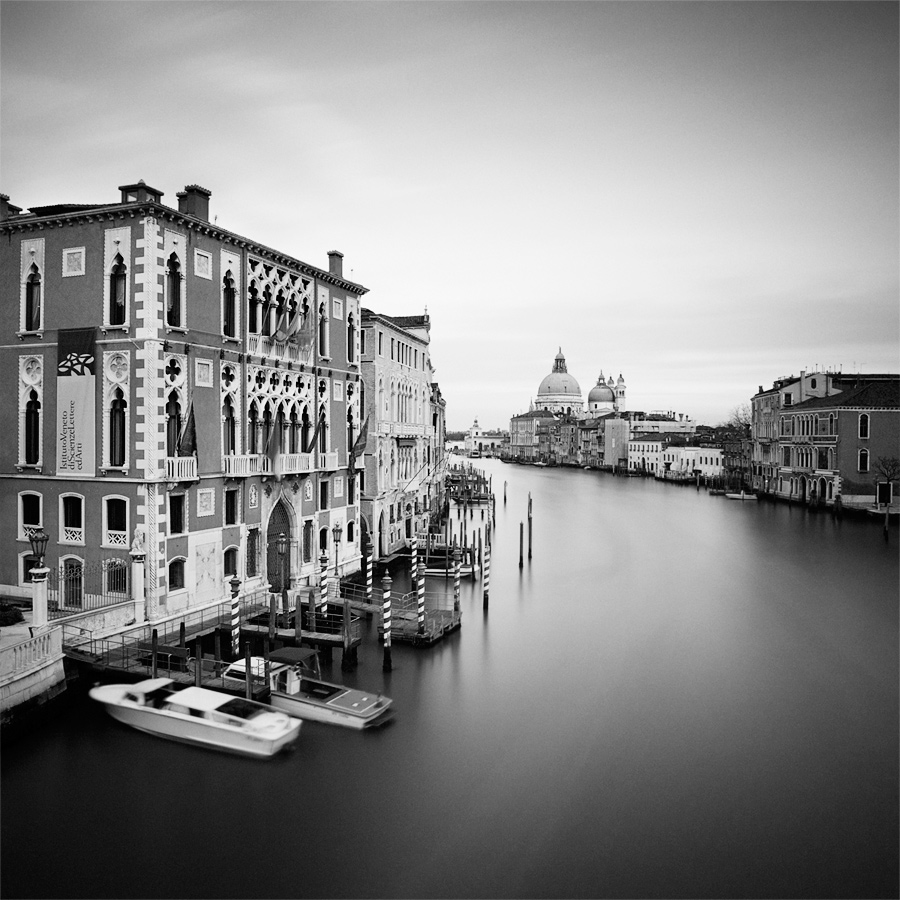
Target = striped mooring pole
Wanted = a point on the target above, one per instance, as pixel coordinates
(414, 560)
(369, 556)
(486, 571)
(420, 599)
(386, 622)
(323, 585)
(235, 621)
(457, 557)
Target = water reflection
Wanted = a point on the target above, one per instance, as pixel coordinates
(678, 695)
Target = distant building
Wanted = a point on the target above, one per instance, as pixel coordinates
(484, 443)
(828, 445)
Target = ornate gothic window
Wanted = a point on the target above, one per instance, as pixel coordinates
(117, 437)
(32, 429)
(173, 292)
(117, 283)
(229, 306)
(33, 306)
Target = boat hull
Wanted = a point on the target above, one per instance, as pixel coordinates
(188, 729)
(349, 709)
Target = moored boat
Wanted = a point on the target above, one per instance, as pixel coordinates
(742, 495)
(295, 686)
(199, 716)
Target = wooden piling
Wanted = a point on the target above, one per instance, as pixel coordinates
(346, 663)
(480, 553)
(198, 663)
(154, 653)
(504, 493)
(248, 675)
(181, 635)
(273, 615)
(298, 620)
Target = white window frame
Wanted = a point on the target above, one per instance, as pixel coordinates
(203, 267)
(74, 541)
(21, 533)
(206, 502)
(337, 391)
(337, 308)
(77, 256)
(118, 542)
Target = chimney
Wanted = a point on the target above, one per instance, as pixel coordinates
(194, 201)
(336, 263)
(7, 210)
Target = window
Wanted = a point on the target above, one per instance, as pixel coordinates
(351, 338)
(252, 552)
(173, 292)
(117, 429)
(117, 283)
(863, 461)
(30, 517)
(392, 348)
(229, 305)
(323, 495)
(231, 507)
(176, 514)
(228, 430)
(308, 541)
(812, 383)
(380, 344)
(72, 519)
(115, 530)
(362, 342)
(32, 429)
(323, 331)
(787, 399)
(173, 424)
(231, 562)
(33, 309)
(350, 533)
(176, 575)
(864, 427)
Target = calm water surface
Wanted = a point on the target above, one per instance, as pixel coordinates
(678, 696)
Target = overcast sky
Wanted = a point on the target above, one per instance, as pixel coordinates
(702, 197)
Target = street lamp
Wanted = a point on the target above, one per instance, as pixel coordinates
(281, 546)
(336, 532)
(38, 539)
(39, 616)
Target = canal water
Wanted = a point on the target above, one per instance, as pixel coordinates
(678, 695)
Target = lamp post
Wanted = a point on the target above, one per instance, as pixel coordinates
(281, 545)
(336, 532)
(38, 540)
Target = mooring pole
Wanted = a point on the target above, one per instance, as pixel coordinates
(273, 615)
(413, 561)
(529, 524)
(420, 591)
(486, 571)
(504, 492)
(480, 553)
(386, 621)
(521, 543)
(154, 652)
(346, 661)
(457, 557)
(248, 689)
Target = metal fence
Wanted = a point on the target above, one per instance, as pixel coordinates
(74, 587)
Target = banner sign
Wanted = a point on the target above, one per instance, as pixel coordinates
(75, 414)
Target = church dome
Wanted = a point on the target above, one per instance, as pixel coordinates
(601, 392)
(559, 382)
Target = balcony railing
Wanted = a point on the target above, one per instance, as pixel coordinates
(296, 463)
(286, 351)
(328, 462)
(245, 465)
(181, 468)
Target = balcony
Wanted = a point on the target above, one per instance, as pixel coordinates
(297, 463)
(246, 465)
(181, 468)
(328, 462)
(824, 438)
(284, 351)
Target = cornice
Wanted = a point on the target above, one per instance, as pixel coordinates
(166, 213)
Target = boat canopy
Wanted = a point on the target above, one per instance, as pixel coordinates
(150, 685)
(293, 656)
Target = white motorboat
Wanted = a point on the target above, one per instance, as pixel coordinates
(296, 687)
(199, 716)
(743, 495)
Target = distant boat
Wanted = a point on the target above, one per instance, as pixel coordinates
(539, 463)
(743, 495)
(195, 715)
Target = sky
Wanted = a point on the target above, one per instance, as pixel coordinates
(699, 196)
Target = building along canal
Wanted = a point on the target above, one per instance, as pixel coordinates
(678, 695)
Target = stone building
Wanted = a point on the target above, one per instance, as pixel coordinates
(404, 468)
(183, 397)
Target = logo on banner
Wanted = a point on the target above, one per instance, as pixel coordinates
(75, 425)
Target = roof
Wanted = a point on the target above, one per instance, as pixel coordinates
(201, 698)
(292, 655)
(870, 395)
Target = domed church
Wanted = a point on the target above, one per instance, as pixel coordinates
(559, 391)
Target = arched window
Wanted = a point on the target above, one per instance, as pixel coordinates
(173, 292)
(33, 299)
(864, 427)
(231, 561)
(351, 338)
(831, 423)
(176, 575)
(323, 540)
(253, 420)
(351, 533)
(115, 516)
(32, 429)
(863, 461)
(350, 434)
(117, 275)
(323, 330)
(228, 427)
(253, 310)
(173, 424)
(117, 429)
(323, 431)
(305, 425)
(294, 441)
(229, 305)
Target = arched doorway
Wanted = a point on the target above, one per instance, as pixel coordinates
(278, 571)
(801, 489)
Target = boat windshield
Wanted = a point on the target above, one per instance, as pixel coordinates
(240, 708)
